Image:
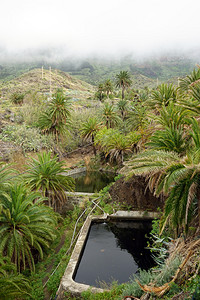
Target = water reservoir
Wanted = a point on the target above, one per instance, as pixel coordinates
(114, 251)
(91, 182)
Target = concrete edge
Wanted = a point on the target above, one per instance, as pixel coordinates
(67, 283)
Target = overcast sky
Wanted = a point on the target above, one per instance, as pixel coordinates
(105, 27)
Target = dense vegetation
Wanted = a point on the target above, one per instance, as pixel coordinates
(151, 132)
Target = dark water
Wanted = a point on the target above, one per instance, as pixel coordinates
(91, 182)
(114, 251)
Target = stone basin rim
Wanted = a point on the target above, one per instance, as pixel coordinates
(67, 283)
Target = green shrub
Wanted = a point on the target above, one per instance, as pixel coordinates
(29, 139)
(114, 293)
(17, 98)
(158, 276)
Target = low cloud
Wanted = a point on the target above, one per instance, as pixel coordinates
(57, 29)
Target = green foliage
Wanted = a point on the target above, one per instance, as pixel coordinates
(109, 116)
(17, 98)
(34, 104)
(12, 284)
(163, 95)
(137, 116)
(114, 144)
(172, 115)
(174, 176)
(187, 82)
(114, 293)
(27, 226)
(108, 87)
(170, 139)
(123, 81)
(56, 118)
(158, 244)
(158, 276)
(123, 107)
(5, 173)
(90, 128)
(29, 139)
(193, 287)
(45, 175)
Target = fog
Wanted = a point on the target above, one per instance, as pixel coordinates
(55, 29)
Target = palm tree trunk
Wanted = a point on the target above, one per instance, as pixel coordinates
(94, 148)
(198, 204)
(123, 90)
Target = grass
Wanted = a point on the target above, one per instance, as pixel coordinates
(55, 256)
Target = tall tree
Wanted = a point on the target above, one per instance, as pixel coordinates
(122, 106)
(123, 81)
(177, 177)
(100, 90)
(45, 174)
(89, 130)
(110, 116)
(108, 87)
(56, 118)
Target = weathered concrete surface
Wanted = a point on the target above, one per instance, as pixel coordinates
(74, 171)
(67, 282)
(136, 215)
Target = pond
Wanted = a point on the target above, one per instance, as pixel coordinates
(114, 251)
(91, 182)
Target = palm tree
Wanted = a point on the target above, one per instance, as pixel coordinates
(172, 115)
(5, 175)
(57, 116)
(89, 129)
(117, 146)
(100, 91)
(190, 80)
(12, 285)
(45, 175)
(171, 138)
(109, 116)
(27, 228)
(163, 95)
(122, 106)
(123, 81)
(108, 87)
(114, 144)
(137, 117)
(176, 177)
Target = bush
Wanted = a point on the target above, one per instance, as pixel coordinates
(29, 139)
(17, 98)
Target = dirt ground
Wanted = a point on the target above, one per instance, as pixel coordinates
(77, 158)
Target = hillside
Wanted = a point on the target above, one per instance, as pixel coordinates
(145, 72)
(37, 80)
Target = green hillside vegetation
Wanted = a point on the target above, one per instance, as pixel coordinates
(154, 133)
(38, 81)
(144, 72)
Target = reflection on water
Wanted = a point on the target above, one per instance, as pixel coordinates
(114, 251)
(91, 182)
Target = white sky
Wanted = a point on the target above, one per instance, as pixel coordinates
(103, 27)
